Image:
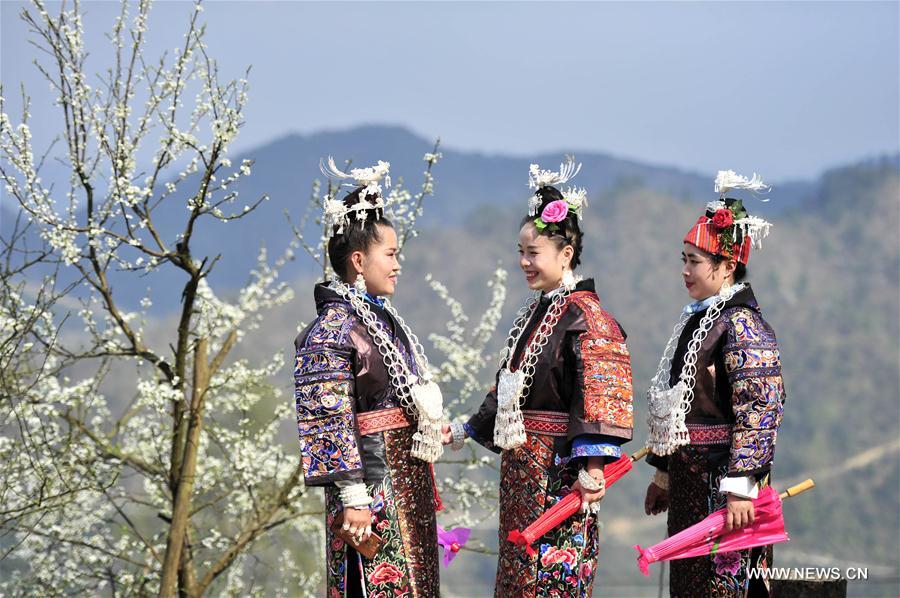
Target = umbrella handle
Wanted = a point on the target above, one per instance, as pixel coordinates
(640, 454)
(795, 490)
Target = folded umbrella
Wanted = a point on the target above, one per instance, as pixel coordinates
(570, 504)
(709, 536)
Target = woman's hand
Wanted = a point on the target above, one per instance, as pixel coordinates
(588, 497)
(446, 436)
(656, 501)
(358, 522)
(594, 468)
(740, 512)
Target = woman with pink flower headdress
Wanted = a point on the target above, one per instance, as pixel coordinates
(716, 402)
(561, 407)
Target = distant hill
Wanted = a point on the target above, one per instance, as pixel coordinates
(285, 168)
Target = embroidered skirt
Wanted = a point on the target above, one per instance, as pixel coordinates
(404, 517)
(694, 494)
(533, 479)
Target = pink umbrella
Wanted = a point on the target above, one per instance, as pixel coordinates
(710, 538)
(567, 507)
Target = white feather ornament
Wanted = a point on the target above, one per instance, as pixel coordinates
(727, 180)
(538, 178)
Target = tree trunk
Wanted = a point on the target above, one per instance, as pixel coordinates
(182, 503)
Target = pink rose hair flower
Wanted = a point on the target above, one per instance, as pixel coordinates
(555, 211)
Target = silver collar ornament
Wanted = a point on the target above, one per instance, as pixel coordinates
(513, 386)
(668, 406)
(419, 395)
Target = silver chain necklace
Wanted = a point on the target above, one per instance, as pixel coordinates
(421, 399)
(513, 387)
(668, 407)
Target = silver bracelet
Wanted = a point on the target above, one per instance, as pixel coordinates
(458, 434)
(356, 496)
(661, 479)
(589, 483)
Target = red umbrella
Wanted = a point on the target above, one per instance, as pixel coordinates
(567, 507)
(709, 536)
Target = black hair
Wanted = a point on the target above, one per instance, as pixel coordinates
(740, 270)
(567, 232)
(354, 237)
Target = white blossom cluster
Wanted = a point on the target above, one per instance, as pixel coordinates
(124, 444)
(99, 413)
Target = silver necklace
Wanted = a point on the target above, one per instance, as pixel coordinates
(419, 395)
(513, 387)
(668, 407)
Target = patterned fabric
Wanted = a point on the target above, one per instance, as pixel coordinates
(414, 497)
(551, 423)
(694, 494)
(566, 562)
(587, 446)
(323, 391)
(706, 236)
(381, 420)
(607, 366)
(710, 434)
(406, 564)
(753, 364)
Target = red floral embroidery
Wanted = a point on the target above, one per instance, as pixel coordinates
(385, 573)
(559, 555)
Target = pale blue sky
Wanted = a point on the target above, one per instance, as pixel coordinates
(785, 89)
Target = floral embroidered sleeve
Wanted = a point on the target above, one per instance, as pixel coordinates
(753, 364)
(324, 392)
(602, 399)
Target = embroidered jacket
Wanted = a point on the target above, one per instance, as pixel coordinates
(584, 371)
(338, 375)
(738, 385)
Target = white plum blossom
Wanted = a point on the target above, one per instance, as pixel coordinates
(128, 436)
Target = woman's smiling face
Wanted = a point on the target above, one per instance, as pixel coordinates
(541, 260)
(378, 264)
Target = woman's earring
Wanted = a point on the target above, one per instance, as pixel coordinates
(568, 278)
(360, 284)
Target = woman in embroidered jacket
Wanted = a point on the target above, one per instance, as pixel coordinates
(357, 424)
(722, 369)
(563, 404)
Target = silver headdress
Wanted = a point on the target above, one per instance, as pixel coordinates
(574, 196)
(338, 214)
(538, 178)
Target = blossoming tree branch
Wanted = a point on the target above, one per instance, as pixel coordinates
(140, 453)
